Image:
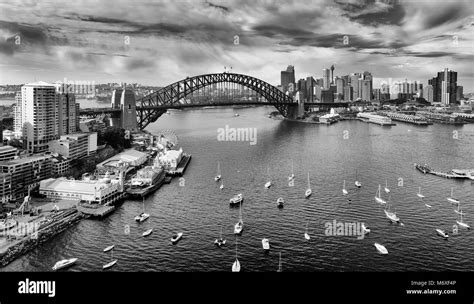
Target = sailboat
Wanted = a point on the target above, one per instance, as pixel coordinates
(292, 175)
(462, 224)
(419, 193)
(266, 244)
(148, 232)
(378, 196)
(240, 224)
(442, 233)
(357, 183)
(386, 187)
(220, 241)
(452, 199)
(365, 229)
(392, 216)
(107, 249)
(142, 216)
(221, 186)
(269, 183)
(306, 235)
(279, 264)
(236, 265)
(64, 263)
(218, 176)
(111, 263)
(458, 210)
(344, 191)
(308, 191)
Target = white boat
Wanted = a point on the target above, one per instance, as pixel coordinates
(419, 193)
(392, 216)
(109, 248)
(221, 186)
(357, 183)
(147, 233)
(218, 176)
(292, 175)
(344, 191)
(381, 248)
(238, 199)
(266, 244)
(386, 187)
(142, 216)
(236, 264)
(220, 241)
(429, 206)
(175, 238)
(280, 202)
(308, 191)
(269, 183)
(452, 199)
(365, 229)
(462, 224)
(306, 235)
(279, 264)
(64, 263)
(110, 264)
(240, 224)
(458, 210)
(442, 233)
(378, 196)
(236, 115)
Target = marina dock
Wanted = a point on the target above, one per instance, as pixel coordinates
(183, 164)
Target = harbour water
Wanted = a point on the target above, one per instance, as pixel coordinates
(196, 206)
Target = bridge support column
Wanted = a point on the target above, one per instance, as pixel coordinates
(129, 111)
(115, 104)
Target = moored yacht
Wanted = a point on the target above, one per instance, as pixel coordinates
(64, 263)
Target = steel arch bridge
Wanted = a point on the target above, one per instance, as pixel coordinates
(151, 107)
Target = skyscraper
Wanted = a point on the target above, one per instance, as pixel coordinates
(67, 114)
(39, 116)
(355, 85)
(287, 77)
(428, 93)
(326, 79)
(340, 83)
(365, 90)
(444, 86)
(347, 93)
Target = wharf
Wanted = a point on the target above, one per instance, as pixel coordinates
(455, 173)
(181, 166)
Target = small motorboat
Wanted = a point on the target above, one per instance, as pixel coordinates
(265, 244)
(147, 233)
(176, 237)
(217, 178)
(381, 248)
(220, 242)
(442, 233)
(142, 217)
(392, 216)
(308, 193)
(236, 199)
(109, 248)
(280, 202)
(221, 186)
(268, 184)
(238, 227)
(386, 189)
(365, 229)
(428, 206)
(236, 115)
(64, 263)
(358, 184)
(109, 265)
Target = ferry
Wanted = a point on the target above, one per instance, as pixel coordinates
(146, 181)
(64, 263)
(236, 199)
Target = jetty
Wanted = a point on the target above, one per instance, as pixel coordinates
(183, 164)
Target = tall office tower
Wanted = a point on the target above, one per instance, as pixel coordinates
(326, 79)
(366, 90)
(302, 89)
(368, 77)
(346, 79)
(287, 77)
(310, 83)
(320, 82)
(332, 74)
(377, 94)
(39, 116)
(444, 86)
(355, 85)
(67, 114)
(327, 96)
(347, 93)
(340, 83)
(428, 93)
(459, 93)
(317, 93)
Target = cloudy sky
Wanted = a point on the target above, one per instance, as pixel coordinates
(160, 42)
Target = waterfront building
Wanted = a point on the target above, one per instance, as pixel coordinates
(127, 158)
(26, 173)
(376, 119)
(169, 159)
(287, 77)
(100, 191)
(60, 165)
(7, 153)
(326, 79)
(97, 124)
(75, 146)
(38, 116)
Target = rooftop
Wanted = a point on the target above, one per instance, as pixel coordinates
(25, 160)
(76, 186)
(40, 84)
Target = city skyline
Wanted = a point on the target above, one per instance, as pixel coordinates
(127, 42)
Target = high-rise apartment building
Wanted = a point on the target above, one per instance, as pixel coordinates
(287, 78)
(444, 86)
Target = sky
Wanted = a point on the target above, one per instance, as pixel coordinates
(161, 42)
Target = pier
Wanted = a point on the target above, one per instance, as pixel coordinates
(183, 164)
(412, 119)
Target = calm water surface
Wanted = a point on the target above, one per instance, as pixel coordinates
(199, 209)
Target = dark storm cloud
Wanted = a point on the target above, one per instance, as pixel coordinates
(220, 7)
(274, 30)
(445, 15)
(373, 12)
(138, 63)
